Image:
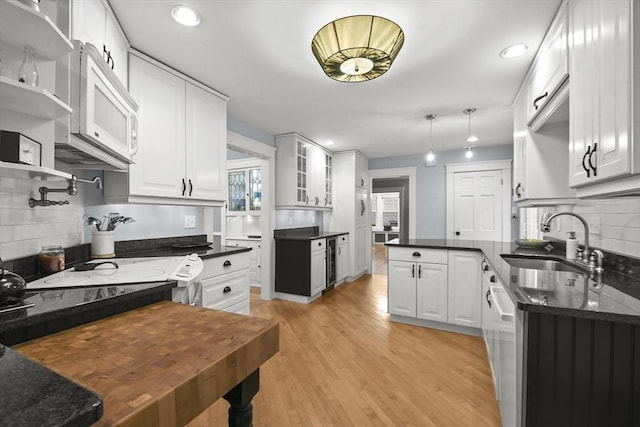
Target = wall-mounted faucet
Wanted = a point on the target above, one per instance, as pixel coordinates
(71, 190)
(595, 259)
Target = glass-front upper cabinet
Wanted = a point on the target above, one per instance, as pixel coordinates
(245, 191)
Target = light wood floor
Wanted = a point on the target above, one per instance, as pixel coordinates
(343, 363)
(379, 259)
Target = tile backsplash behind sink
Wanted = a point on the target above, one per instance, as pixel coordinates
(24, 230)
(617, 218)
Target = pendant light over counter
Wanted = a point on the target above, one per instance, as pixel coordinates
(431, 156)
(357, 48)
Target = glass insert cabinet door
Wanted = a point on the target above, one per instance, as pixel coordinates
(245, 190)
(255, 190)
(237, 191)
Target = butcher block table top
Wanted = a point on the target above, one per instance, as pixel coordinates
(159, 365)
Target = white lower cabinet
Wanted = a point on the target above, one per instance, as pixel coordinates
(255, 258)
(402, 288)
(432, 292)
(499, 329)
(435, 285)
(464, 288)
(342, 258)
(225, 283)
(318, 266)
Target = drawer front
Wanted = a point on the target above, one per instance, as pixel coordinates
(433, 256)
(225, 291)
(240, 308)
(343, 239)
(224, 265)
(318, 244)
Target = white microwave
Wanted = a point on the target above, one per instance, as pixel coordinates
(104, 124)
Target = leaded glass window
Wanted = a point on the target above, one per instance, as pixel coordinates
(255, 189)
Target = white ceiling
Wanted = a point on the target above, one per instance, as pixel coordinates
(258, 52)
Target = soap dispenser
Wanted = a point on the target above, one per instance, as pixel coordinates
(572, 245)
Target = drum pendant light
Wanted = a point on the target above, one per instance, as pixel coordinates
(357, 48)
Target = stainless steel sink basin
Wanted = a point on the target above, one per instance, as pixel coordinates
(541, 263)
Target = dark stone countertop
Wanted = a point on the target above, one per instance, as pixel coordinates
(32, 395)
(305, 233)
(554, 292)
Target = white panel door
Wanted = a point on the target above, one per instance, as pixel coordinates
(402, 288)
(160, 162)
(432, 292)
(478, 205)
(206, 144)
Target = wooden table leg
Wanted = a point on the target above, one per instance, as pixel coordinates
(241, 409)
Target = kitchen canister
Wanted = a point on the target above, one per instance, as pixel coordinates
(102, 244)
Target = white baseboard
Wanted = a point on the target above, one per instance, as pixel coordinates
(437, 325)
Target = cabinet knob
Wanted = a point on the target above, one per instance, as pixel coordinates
(226, 290)
(457, 233)
(227, 264)
(492, 279)
(485, 267)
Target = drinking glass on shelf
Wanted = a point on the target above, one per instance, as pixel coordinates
(28, 73)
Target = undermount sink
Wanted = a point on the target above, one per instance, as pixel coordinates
(541, 263)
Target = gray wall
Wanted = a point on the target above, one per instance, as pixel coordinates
(431, 185)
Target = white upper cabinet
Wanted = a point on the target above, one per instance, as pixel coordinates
(362, 172)
(550, 68)
(92, 21)
(539, 161)
(182, 134)
(302, 173)
(604, 159)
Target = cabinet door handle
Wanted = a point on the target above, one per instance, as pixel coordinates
(416, 254)
(227, 264)
(226, 290)
(362, 207)
(307, 199)
(339, 250)
(492, 279)
(591, 165)
(517, 190)
(190, 188)
(419, 272)
(487, 297)
(486, 267)
(319, 243)
(184, 186)
(584, 158)
(413, 271)
(541, 97)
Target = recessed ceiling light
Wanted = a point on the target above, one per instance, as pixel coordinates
(514, 51)
(185, 16)
(329, 143)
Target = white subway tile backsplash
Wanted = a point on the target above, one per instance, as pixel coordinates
(24, 230)
(619, 223)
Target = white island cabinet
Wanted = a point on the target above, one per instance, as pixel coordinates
(437, 288)
(225, 283)
(182, 154)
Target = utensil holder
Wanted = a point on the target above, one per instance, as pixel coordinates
(102, 244)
